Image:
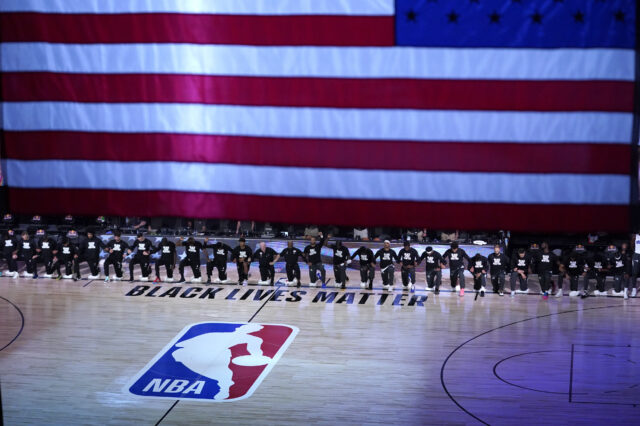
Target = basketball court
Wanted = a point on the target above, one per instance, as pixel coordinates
(71, 350)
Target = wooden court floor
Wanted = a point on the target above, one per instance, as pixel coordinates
(69, 350)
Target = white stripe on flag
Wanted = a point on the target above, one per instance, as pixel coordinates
(323, 183)
(235, 7)
(305, 61)
(330, 123)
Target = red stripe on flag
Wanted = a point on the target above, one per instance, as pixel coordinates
(286, 30)
(530, 218)
(354, 154)
(496, 95)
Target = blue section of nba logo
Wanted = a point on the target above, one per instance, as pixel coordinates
(200, 362)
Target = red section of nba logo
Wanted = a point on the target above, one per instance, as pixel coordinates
(273, 337)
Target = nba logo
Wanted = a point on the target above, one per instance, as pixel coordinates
(214, 361)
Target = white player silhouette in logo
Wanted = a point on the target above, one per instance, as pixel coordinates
(209, 355)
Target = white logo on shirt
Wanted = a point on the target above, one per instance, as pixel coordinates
(454, 256)
(192, 249)
(479, 265)
(66, 250)
(45, 245)
(386, 256)
(545, 258)
(141, 246)
(91, 245)
(619, 264)
(430, 259)
(312, 252)
(116, 247)
(407, 256)
(26, 245)
(496, 261)
(573, 264)
(363, 257)
(166, 249)
(521, 262)
(597, 265)
(8, 243)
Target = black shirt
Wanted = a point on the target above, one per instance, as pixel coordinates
(619, 264)
(456, 258)
(432, 260)
(365, 256)
(313, 253)
(91, 247)
(265, 257)
(598, 263)
(241, 254)
(574, 264)
(10, 244)
(545, 262)
(27, 248)
(340, 254)
(192, 250)
(167, 250)
(47, 246)
(119, 248)
(66, 253)
(408, 257)
(387, 257)
(478, 263)
(498, 263)
(142, 246)
(521, 263)
(220, 252)
(291, 255)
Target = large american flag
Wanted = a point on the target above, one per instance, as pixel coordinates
(476, 114)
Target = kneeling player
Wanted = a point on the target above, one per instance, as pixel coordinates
(478, 267)
(142, 257)
(266, 259)
(241, 255)
(387, 259)
(89, 252)
(220, 256)
(409, 258)
(498, 264)
(167, 258)
(456, 256)
(46, 252)
(597, 267)
(27, 253)
(367, 266)
(9, 249)
(520, 265)
(341, 259)
(116, 249)
(432, 269)
(66, 256)
(291, 256)
(192, 250)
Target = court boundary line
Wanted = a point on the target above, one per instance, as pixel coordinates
(457, 348)
(21, 325)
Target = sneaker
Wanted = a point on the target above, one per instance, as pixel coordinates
(116, 278)
(35, 276)
(106, 279)
(616, 293)
(545, 295)
(131, 280)
(522, 291)
(461, 292)
(181, 280)
(457, 288)
(169, 280)
(363, 285)
(405, 287)
(157, 280)
(599, 293)
(626, 293)
(436, 291)
(196, 280)
(244, 282)
(217, 281)
(50, 275)
(633, 292)
(94, 277)
(559, 293)
(390, 287)
(574, 293)
(260, 282)
(76, 278)
(144, 279)
(343, 286)
(67, 277)
(513, 293)
(482, 292)
(25, 274)
(584, 294)
(500, 293)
